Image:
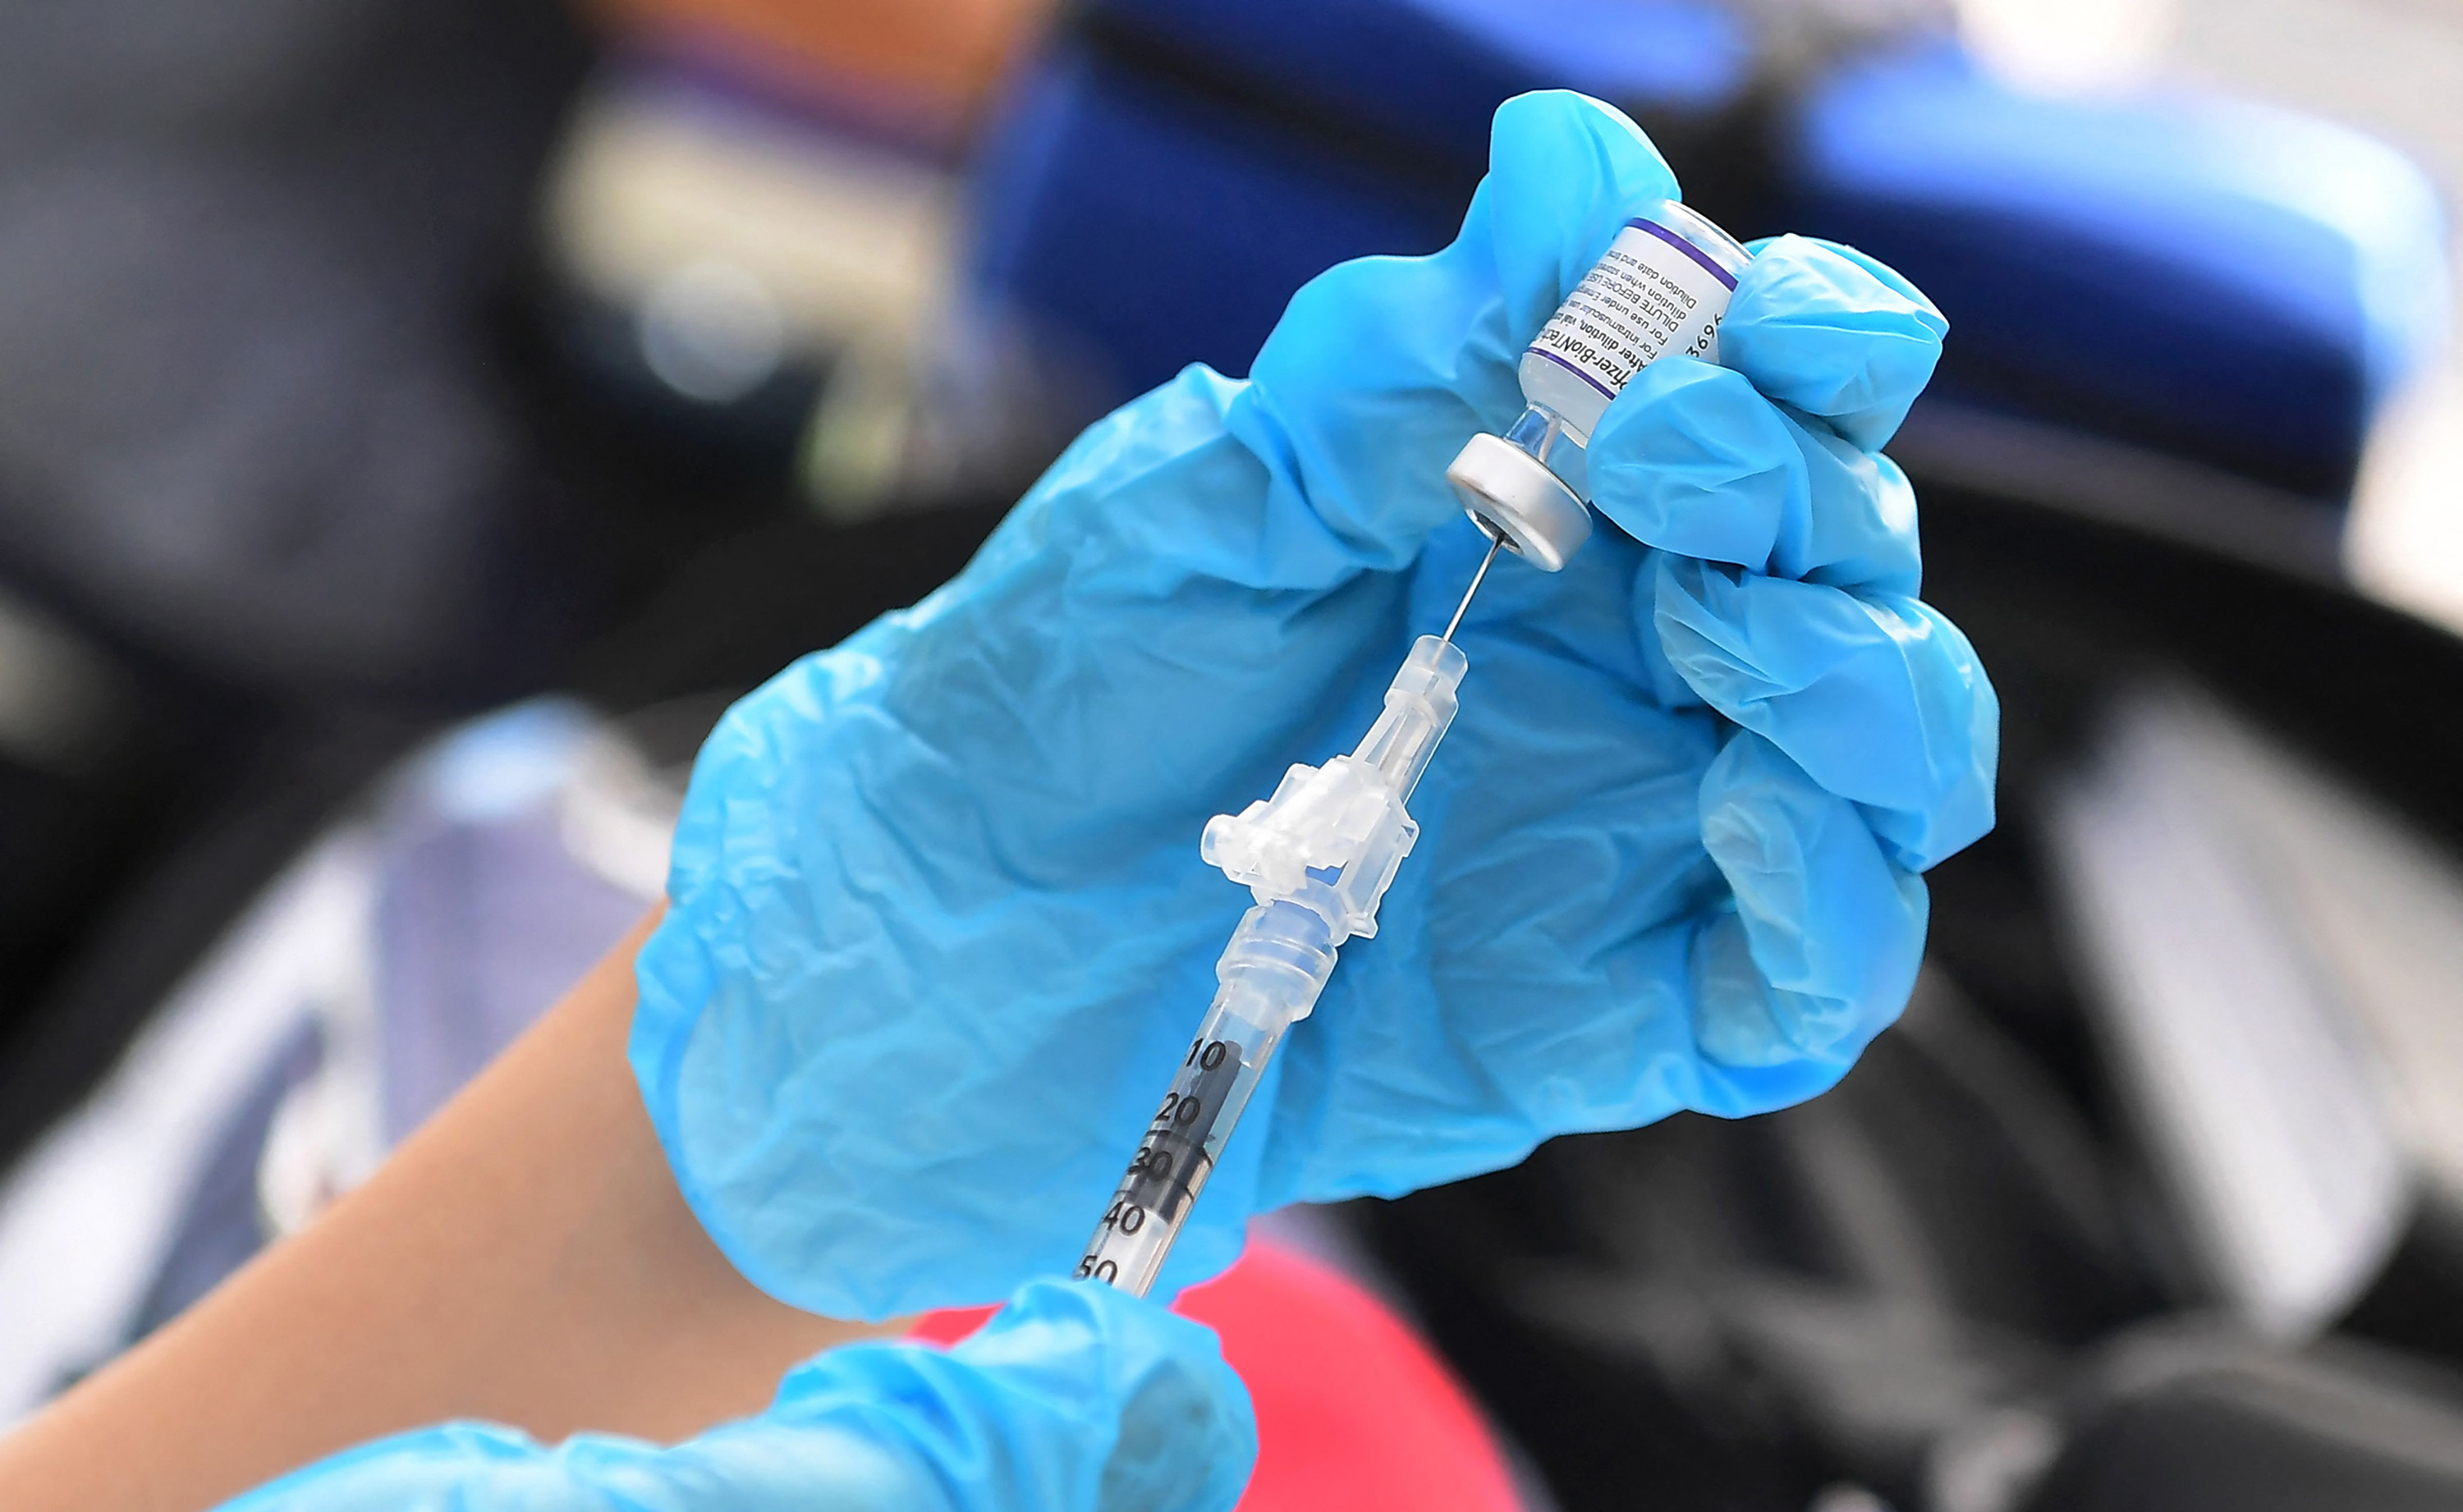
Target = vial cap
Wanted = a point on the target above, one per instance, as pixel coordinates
(1514, 497)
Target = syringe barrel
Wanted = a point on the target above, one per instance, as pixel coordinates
(1319, 855)
(1271, 974)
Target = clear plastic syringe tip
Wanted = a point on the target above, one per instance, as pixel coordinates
(1318, 857)
(1331, 837)
(1419, 706)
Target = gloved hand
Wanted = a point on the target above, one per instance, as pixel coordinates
(939, 930)
(1073, 1398)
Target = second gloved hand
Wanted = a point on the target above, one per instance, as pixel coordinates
(939, 930)
(1073, 1398)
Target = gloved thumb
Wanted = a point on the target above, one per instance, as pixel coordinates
(1097, 1399)
(1380, 368)
(1073, 1398)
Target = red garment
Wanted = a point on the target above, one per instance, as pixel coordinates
(1354, 1413)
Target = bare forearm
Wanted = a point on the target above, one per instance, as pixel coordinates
(525, 1258)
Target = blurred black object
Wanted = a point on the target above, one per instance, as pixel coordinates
(260, 464)
(134, 881)
(1735, 1315)
(293, 470)
(249, 414)
(2191, 1423)
(83, 749)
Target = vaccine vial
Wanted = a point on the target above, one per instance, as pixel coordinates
(1662, 287)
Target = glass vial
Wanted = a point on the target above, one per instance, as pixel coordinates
(1662, 287)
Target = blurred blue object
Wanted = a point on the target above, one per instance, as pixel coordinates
(2214, 279)
(1158, 230)
(1174, 170)
(2209, 276)
(1430, 72)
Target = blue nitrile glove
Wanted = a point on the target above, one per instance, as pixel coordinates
(1073, 1398)
(939, 929)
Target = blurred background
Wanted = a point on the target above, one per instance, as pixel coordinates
(419, 418)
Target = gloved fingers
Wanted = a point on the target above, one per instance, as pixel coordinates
(1877, 697)
(1769, 461)
(1819, 949)
(1073, 1398)
(747, 1466)
(1565, 172)
(1692, 459)
(1380, 368)
(1832, 332)
(452, 1467)
(1858, 528)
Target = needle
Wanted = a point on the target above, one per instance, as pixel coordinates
(1455, 624)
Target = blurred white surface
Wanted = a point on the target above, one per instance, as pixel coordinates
(2243, 1054)
(2392, 67)
(84, 1218)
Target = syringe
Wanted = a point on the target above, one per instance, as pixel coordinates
(1319, 853)
(1318, 857)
